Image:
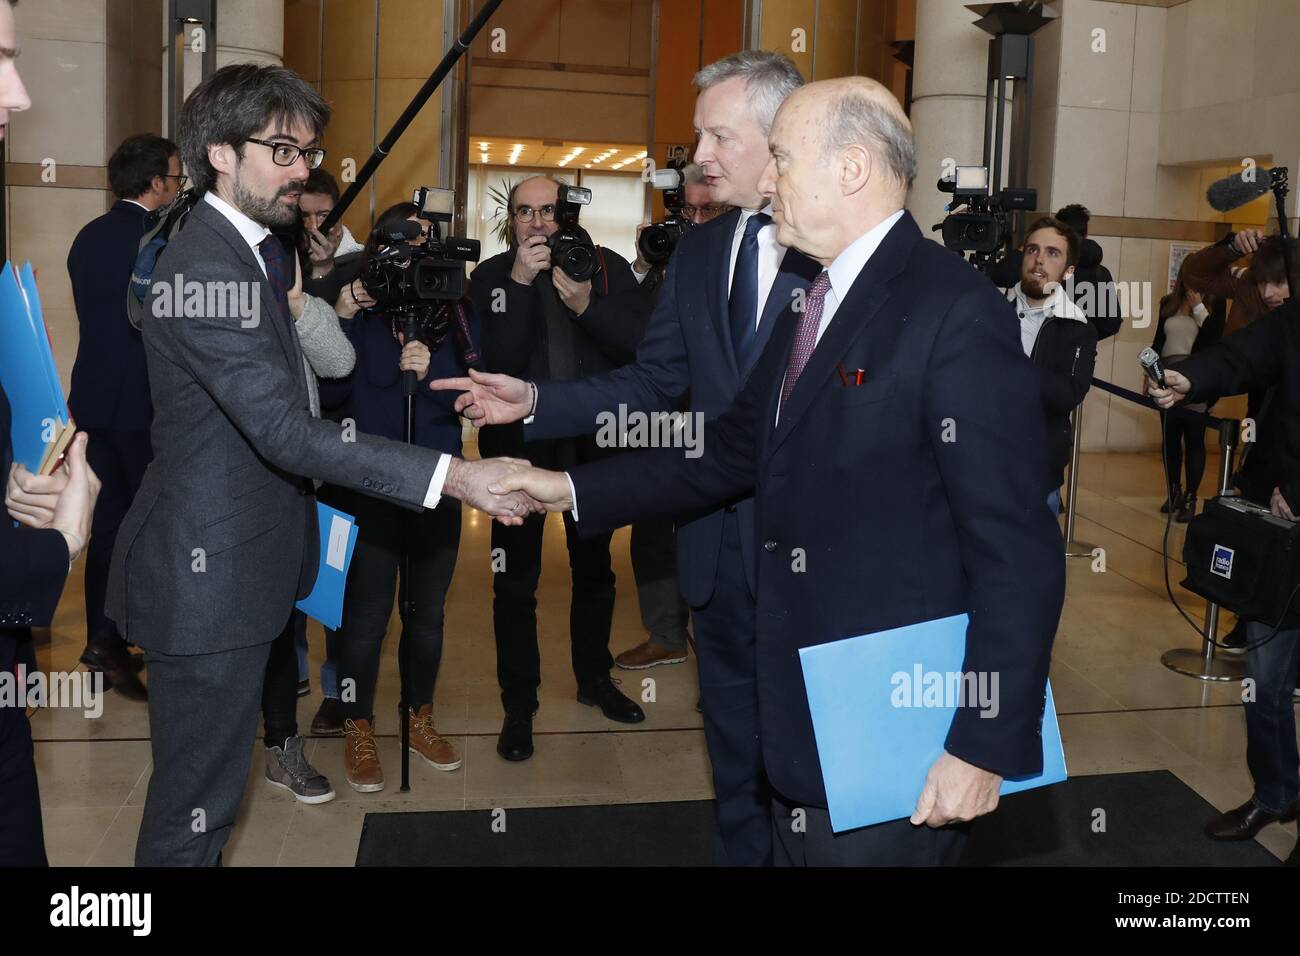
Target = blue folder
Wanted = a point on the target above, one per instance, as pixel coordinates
(27, 371)
(338, 538)
(881, 707)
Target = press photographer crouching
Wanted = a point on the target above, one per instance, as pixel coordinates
(1264, 355)
(553, 306)
(688, 205)
(398, 272)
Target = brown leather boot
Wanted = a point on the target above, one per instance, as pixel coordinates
(436, 750)
(648, 654)
(361, 758)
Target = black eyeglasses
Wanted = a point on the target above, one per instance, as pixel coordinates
(526, 213)
(181, 179)
(286, 154)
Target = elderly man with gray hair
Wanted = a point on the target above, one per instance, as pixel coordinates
(893, 437)
(726, 285)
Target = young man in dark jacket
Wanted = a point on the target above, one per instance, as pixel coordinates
(539, 323)
(1055, 334)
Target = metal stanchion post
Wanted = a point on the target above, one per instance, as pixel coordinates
(1201, 662)
(1073, 548)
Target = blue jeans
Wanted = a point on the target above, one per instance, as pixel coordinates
(329, 674)
(1054, 501)
(1271, 751)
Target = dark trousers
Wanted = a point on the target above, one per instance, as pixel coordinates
(654, 564)
(1271, 751)
(806, 839)
(280, 686)
(119, 459)
(725, 630)
(514, 608)
(1180, 434)
(22, 841)
(203, 721)
(432, 539)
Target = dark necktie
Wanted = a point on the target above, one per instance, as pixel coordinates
(805, 336)
(742, 305)
(279, 271)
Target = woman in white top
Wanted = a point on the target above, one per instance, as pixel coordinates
(1186, 325)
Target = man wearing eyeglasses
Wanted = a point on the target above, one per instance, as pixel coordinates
(222, 536)
(110, 382)
(539, 322)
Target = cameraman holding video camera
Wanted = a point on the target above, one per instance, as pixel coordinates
(540, 322)
(1264, 355)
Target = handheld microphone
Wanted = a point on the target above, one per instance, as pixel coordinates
(1149, 359)
(1233, 191)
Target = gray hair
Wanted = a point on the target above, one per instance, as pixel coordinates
(769, 78)
(692, 175)
(857, 120)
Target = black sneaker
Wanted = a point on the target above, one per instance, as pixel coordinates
(1234, 642)
(304, 688)
(611, 701)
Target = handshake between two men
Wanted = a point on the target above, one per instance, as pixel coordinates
(508, 489)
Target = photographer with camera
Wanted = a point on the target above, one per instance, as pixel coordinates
(1263, 356)
(373, 397)
(541, 322)
(330, 262)
(694, 207)
(1055, 334)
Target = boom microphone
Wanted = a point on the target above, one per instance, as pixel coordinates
(1149, 359)
(1233, 191)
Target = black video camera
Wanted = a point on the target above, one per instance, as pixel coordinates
(657, 241)
(983, 227)
(407, 275)
(571, 247)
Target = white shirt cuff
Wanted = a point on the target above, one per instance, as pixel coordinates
(434, 494)
(640, 276)
(573, 497)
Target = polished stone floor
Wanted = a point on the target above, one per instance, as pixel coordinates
(1120, 709)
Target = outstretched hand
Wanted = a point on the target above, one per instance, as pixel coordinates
(489, 398)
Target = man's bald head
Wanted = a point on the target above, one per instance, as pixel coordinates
(843, 158)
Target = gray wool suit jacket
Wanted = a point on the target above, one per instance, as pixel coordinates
(222, 537)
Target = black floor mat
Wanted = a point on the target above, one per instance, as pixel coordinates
(1121, 819)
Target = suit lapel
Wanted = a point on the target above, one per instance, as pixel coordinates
(269, 307)
(719, 279)
(871, 290)
(796, 271)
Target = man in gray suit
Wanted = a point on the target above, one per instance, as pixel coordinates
(222, 537)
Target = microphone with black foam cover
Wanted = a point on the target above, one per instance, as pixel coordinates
(1149, 359)
(403, 231)
(1234, 191)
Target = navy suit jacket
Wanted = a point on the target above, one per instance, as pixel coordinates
(110, 378)
(686, 349)
(915, 495)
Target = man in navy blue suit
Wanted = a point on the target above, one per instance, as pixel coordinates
(726, 283)
(893, 432)
(110, 383)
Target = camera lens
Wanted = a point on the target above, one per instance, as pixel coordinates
(579, 263)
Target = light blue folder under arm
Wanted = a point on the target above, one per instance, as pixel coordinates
(882, 705)
(338, 538)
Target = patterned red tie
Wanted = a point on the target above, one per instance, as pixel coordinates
(805, 337)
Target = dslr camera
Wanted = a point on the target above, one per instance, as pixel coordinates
(983, 227)
(571, 247)
(406, 275)
(658, 241)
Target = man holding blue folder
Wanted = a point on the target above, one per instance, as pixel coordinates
(894, 438)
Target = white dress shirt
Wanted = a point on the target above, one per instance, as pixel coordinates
(253, 233)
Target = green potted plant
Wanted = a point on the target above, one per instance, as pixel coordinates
(501, 225)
